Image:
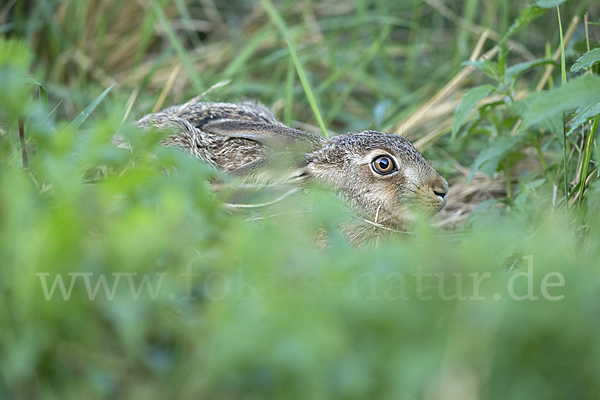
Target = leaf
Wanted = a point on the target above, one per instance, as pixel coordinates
(43, 92)
(573, 94)
(15, 89)
(583, 114)
(527, 15)
(15, 53)
(581, 47)
(521, 107)
(553, 123)
(527, 189)
(587, 60)
(89, 109)
(467, 103)
(517, 69)
(486, 66)
(494, 153)
(549, 3)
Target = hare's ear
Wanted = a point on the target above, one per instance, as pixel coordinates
(278, 137)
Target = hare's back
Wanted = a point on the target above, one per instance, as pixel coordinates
(200, 114)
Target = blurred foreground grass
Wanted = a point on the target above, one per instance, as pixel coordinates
(122, 276)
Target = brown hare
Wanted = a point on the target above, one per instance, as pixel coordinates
(382, 177)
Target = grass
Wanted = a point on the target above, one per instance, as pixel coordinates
(301, 74)
(563, 79)
(124, 276)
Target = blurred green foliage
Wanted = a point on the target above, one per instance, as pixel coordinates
(202, 303)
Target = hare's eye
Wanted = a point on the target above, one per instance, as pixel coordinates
(383, 165)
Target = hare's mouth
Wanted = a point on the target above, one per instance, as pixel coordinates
(438, 206)
(421, 209)
(432, 202)
(435, 208)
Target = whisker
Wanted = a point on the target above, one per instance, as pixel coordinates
(417, 187)
(385, 227)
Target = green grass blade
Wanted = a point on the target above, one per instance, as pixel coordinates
(563, 69)
(360, 62)
(181, 53)
(182, 8)
(563, 77)
(357, 68)
(240, 62)
(51, 112)
(587, 158)
(299, 69)
(146, 32)
(89, 109)
(289, 91)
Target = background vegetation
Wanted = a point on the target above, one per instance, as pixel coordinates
(270, 315)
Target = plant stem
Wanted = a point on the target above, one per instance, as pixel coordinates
(508, 187)
(563, 75)
(536, 144)
(564, 121)
(24, 152)
(587, 156)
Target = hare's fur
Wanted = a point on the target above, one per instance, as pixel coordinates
(246, 140)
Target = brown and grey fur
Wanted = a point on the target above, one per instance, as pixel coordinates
(246, 140)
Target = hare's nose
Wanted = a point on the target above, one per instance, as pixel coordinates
(441, 193)
(440, 190)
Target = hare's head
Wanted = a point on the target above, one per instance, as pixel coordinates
(383, 175)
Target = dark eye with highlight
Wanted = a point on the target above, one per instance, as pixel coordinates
(384, 165)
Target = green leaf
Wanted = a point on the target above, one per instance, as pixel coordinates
(583, 114)
(527, 15)
(486, 66)
(549, 3)
(15, 88)
(43, 92)
(573, 94)
(527, 189)
(467, 103)
(553, 123)
(89, 109)
(517, 69)
(587, 60)
(581, 46)
(501, 63)
(15, 53)
(494, 153)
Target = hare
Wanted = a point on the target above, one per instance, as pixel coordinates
(382, 177)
